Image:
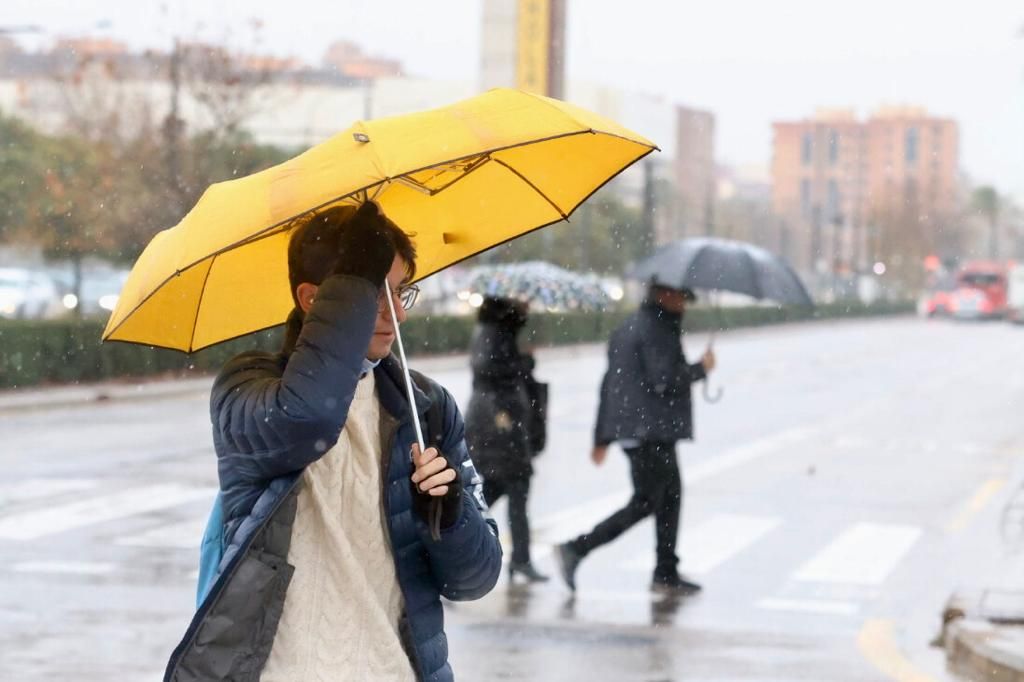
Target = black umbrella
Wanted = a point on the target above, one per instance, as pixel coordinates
(723, 265)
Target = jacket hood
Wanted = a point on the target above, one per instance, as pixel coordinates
(501, 311)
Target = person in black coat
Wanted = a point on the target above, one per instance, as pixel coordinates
(646, 407)
(501, 424)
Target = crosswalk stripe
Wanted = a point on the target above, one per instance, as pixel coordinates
(747, 452)
(576, 518)
(37, 523)
(64, 567)
(36, 488)
(864, 554)
(821, 606)
(713, 542)
(183, 535)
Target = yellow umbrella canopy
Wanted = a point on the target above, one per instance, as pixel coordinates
(459, 179)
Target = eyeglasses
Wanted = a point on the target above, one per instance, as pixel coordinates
(405, 295)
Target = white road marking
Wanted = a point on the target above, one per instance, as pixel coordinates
(579, 517)
(837, 608)
(37, 523)
(744, 453)
(864, 554)
(713, 542)
(34, 488)
(64, 567)
(183, 535)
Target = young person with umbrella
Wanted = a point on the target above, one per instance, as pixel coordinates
(459, 180)
(330, 569)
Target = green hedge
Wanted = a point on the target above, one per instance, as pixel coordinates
(33, 353)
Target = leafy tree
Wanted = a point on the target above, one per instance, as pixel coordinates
(987, 202)
(21, 177)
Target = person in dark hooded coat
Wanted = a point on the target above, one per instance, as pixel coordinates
(501, 423)
(646, 408)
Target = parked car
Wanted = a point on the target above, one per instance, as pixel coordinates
(1015, 294)
(981, 292)
(27, 294)
(101, 291)
(98, 289)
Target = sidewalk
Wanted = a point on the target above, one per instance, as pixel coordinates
(151, 388)
(39, 398)
(983, 629)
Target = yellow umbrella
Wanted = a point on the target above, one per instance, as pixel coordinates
(459, 179)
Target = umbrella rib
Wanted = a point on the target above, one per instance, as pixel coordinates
(199, 305)
(430, 191)
(541, 227)
(532, 186)
(752, 267)
(572, 118)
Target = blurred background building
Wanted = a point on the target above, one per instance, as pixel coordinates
(840, 196)
(846, 190)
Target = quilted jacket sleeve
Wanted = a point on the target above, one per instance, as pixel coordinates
(466, 561)
(272, 416)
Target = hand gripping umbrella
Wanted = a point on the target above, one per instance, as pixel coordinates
(723, 265)
(459, 179)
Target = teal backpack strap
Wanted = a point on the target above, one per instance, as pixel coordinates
(211, 551)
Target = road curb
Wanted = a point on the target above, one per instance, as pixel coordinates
(982, 644)
(980, 650)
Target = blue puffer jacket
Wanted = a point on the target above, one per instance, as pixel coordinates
(274, 415)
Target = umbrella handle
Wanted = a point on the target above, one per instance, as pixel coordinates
(710, 397)
(434, 520)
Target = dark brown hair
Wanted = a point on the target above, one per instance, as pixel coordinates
(313, 247)
(313, 253)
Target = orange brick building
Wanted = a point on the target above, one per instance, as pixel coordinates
(842, 188)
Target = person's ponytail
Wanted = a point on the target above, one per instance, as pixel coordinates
(292, 329)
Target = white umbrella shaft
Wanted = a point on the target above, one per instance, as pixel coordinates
(405, 366)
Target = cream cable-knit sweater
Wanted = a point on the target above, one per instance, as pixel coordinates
(341, 612)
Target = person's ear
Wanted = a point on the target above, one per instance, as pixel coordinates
(306, 293)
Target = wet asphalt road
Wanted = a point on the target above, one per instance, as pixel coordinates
(850, 479)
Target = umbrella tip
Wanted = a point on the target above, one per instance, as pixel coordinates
(360, 137)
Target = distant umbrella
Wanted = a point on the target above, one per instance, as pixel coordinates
(723, 265)
(541, 282)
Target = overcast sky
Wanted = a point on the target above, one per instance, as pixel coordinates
(749, 61)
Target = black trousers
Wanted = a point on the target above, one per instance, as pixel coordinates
(518, 490)
(658, 490)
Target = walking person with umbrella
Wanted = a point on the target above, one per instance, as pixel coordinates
(645, 407)
(645, 396)
(504, 423)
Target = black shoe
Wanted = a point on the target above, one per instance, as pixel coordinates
(528, 571)
(674, 585)
(568, 559)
